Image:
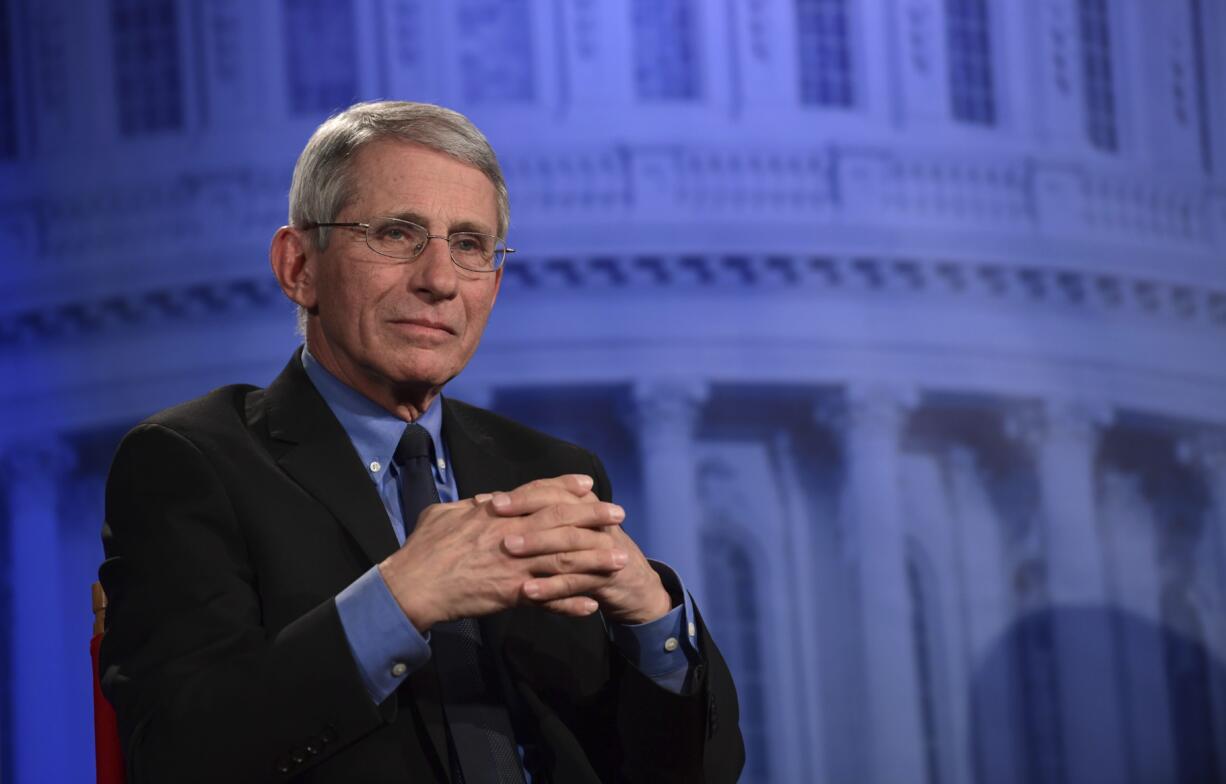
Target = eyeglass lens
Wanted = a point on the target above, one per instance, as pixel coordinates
(401, 239)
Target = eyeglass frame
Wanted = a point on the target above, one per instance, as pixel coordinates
(310, 225)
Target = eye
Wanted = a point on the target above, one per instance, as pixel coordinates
(392, 232)
(396, 238)
(472, 244)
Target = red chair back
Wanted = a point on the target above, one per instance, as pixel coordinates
(108, 753)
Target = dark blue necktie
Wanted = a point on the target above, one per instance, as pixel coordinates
(482, 742)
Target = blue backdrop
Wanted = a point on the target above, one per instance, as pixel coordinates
(900, 324)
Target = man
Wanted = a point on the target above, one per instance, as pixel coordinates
(346, 577)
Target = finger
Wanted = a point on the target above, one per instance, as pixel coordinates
(575, 484)
(437, 510)
(527, 498)
(597, 515)
(536, 499)
(578, 484)
(525, 543)
(578, 606)
(603, 561)
(560, 586)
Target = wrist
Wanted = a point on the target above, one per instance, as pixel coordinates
(658, 605)
(664, 604)
(413, 601)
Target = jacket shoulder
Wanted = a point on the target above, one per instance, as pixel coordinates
(511, 438)
(210, 417)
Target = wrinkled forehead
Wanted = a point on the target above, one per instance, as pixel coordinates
(394, 178)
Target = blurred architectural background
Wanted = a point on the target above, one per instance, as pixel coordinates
(900, 324)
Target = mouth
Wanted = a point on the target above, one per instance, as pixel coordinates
(424, 326)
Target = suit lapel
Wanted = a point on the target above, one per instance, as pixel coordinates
(475, 458)
(317, 453)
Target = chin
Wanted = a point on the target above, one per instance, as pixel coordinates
(422, 375)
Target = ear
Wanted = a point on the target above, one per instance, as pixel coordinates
(293, 263)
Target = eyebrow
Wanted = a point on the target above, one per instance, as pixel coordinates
(422, 220)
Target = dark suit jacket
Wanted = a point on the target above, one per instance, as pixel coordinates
(232, 521)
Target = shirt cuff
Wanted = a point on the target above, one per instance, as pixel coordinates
(666, 648)
(386, 646)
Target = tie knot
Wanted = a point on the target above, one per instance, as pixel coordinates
(413, 444)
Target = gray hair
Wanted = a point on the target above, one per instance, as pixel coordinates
(323, 185)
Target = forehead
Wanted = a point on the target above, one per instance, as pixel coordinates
(396, 178)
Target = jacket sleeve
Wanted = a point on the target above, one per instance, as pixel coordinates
(203, 691)
(659, 736)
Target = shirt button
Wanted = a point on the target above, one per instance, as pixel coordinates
(374, 466)
(670, 644)
(693, 631)
(399, 669)
(442, 464)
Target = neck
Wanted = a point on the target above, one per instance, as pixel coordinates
(405, 401)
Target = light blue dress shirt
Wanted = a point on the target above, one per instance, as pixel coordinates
(385, 644)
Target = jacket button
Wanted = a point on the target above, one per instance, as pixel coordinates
(297, 757)
(312, 747)
(327, 736)
(283, 766)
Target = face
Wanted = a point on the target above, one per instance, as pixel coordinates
(398, 332)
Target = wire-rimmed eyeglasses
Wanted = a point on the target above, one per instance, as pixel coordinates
(404, 240)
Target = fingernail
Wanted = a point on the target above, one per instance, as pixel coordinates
(482, 497)
(532, 589)
(620, 557)
(585, 481)
(590, 605)
(617, 514)
(514, 542)
(501, 500)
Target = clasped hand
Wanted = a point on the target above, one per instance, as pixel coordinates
(550, 542)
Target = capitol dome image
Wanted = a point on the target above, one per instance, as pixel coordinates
(900, 326)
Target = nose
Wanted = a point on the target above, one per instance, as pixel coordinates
(434, 274)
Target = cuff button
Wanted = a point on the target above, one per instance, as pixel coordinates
(399, 669)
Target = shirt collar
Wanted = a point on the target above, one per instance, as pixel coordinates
(374, 430)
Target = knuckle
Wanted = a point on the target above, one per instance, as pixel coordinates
(488, 540)
(501, 526)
